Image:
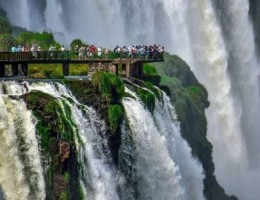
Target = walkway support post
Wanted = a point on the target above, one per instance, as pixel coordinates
(25, 69)
(128, 69)
(66, 69)
(2, 70)
(15, 69)
(116, 66)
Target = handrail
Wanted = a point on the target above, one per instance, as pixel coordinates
(30, 56)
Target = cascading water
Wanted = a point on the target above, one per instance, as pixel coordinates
(217, 42)
(98, 176)
(224, 128)
(244, 72)
(157, 140)
(162, 156)
(20, 168)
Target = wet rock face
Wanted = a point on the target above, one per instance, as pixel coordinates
(254, 11)
(64, 150)
(1, 194)
(60, 185)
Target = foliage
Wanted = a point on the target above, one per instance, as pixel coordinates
(78, 69)
(76, 42)
(6, 42)
(151, 75)
(197, 95)
(115, 114)
(44, 40)
(50, 71)
(149, 70)
(5, 26)
(110, 85)
(54, 71)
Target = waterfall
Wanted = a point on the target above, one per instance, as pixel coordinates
(172, 173)
(244, 72)
(98, 175)
(162, 156)
(55, 19)
(216, 39)
(20, 168)
(224, 115)
(18, 12)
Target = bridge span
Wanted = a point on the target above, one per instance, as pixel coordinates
(130, 66)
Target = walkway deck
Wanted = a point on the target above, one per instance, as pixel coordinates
(131, 66)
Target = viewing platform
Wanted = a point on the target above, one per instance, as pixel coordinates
(130, 66)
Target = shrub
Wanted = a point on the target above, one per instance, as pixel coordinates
(5, 26)
(6, 42)
(44, 39)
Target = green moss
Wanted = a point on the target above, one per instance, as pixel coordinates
(115, 114)
(54, 117)
(64, 196)
(129, 95)
(81, 193)
(147, 98)
(44, 132)
(110, 85)
(67, 177)
(155, 90)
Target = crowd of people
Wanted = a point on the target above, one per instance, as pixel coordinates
(90, 51)
(139, 51)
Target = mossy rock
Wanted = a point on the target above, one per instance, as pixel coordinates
(147, 98)
(110, 85)
(115, 114)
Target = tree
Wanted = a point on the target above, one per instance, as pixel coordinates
(44, 39)
(5, 26)
(76, 42)
(6, 42)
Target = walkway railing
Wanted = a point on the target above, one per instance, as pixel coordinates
(35, 55)
(49, 56)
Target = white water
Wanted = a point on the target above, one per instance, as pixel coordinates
(163, 159)
(224, 114)
(20, 166)
(98, 175)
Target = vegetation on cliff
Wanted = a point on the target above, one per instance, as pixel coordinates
(55, 130)
(104, 93)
